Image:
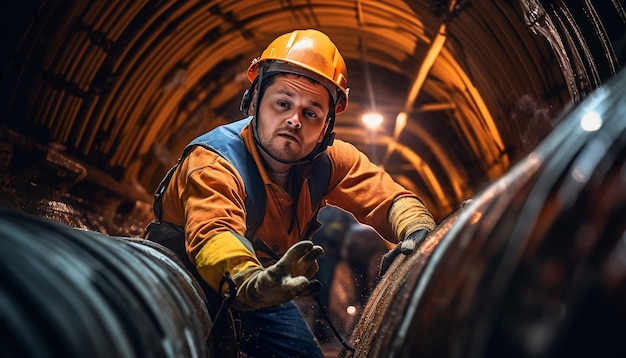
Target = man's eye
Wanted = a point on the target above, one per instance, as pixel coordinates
(311, 114)
(282, 104)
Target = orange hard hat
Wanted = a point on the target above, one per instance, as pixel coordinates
(308, 53)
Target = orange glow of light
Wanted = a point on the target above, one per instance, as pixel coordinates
(372, 120)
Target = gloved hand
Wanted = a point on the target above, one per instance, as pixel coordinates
(289, 277)
(405, 247)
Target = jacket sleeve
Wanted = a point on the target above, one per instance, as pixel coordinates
(225, 252)
(407, 215)
(368, 192)
(210, 195)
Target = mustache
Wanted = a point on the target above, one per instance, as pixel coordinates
(292, 132)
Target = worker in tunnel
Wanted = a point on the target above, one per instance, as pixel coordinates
(241, 203)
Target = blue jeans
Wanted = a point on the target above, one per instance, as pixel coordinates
(277, 331)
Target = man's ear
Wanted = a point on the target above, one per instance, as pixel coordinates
(252, 106)
(247, 100)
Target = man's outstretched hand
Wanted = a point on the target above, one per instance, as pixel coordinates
(281, 282)
(405, 247)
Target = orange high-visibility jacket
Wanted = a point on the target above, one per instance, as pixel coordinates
(206, 196)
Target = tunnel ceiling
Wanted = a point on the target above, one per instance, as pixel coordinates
(121, 86)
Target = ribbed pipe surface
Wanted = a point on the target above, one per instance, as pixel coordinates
(66, 292)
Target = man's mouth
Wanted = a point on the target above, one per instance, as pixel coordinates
(288, 136)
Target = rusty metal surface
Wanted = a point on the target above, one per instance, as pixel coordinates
(66, 292)
(532, 267)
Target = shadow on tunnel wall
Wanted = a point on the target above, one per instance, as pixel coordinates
(533, 266)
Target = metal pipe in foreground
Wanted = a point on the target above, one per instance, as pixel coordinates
(66, 292)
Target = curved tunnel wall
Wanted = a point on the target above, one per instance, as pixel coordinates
(122, 86)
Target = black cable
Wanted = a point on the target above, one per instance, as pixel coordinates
(226, 298)
(332, 327)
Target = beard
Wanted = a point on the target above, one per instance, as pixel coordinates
(285, 144)
(285, 149)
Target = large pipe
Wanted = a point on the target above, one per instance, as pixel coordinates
(533, 267)
(66, 292)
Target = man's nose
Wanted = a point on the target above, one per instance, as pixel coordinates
(294, 121)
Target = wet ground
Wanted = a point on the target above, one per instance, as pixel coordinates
(45, 181)
(38, 199)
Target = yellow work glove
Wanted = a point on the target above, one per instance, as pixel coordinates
(290, 277)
